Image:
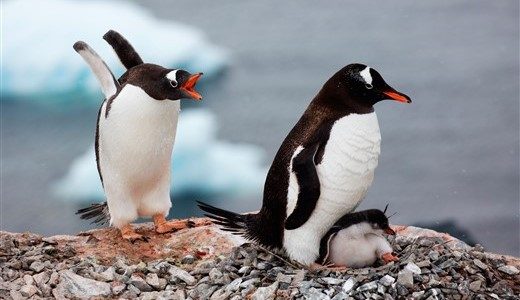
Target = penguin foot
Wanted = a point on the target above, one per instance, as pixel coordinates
(128, 233)
(164, 226)
(389, 257)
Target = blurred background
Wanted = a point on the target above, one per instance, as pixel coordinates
(450, 160)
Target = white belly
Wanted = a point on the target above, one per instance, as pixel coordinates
(346, 172)
(135, 148)
(357, 252)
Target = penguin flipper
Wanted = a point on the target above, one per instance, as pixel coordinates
(109, 85)
(124, 50)
(309, 187)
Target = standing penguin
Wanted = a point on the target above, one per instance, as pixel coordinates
(356, 240)
(323, 168)
(135, 133)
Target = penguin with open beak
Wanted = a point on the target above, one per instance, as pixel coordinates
(135, 134)
(322, 170)
(356, 240)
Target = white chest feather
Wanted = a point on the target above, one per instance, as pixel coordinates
(345, 173)
(135, 147)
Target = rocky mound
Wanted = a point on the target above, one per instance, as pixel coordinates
(206, 263)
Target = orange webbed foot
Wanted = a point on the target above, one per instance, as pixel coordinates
(128, 233)
(164, 226)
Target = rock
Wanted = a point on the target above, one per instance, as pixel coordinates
(367, 286)
(41, 278)
(234, 285)
(80, 287)
(405, 278)
(140, 283)
(154, 281)
(220, 294)
(265, 293)
(348, 285)
(188, 259)
(315, 294)
(332, 281)
(118, 287)
(182, 275)
(28, 290)
(413, 268)
(215, 275)
(475, 285)
(37, 266)
(387, 280)
(280, 277)
(510, 270)
(480, 264)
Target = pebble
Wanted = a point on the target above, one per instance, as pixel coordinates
(188, 259)
(28, 290)
(182, 275)
(412, 268)
(510, 270)
(367, 286)
(405, 278)
(387, 280)
(348, 285)
(480, 264)
(37, 266)
(265, 293)
(140, 283)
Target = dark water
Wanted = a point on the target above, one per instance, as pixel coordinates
(453, 154)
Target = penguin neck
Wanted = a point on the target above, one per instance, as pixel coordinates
(340, 100)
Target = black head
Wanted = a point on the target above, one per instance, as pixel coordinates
(358, 86)
(378, 220)
(163, 84)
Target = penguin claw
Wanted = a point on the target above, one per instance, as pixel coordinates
(389, 257)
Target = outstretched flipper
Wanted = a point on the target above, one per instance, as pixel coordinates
(304, 167)
(109, 85)
(124, 50)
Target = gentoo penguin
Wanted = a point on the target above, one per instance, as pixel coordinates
(356, 240)
(135, 134)
(322, 170)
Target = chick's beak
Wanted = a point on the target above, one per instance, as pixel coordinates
(397, 96)
(188, 87)
(389, 231)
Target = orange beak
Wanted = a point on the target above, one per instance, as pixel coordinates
(394, 95)
(189, 87)
(389, 231)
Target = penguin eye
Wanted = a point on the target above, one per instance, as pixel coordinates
(368, 86)
(173, 83)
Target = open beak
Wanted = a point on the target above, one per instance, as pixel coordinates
(389, 231)
(395, 95)
(188, 87)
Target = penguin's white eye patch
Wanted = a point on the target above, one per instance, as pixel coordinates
(365, 74)
(172, 76)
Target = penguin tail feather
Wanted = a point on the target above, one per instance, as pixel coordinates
(229, 221)
(97, 211)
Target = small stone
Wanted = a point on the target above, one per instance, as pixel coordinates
(221, 294)
(153, 280)
(340, 296)
(417, 295)
(28, 290)
(188, 259)
(234, 285)
(250, 282)
(405, 278)
(108, 274)
(401, 290)
(475, 285)
(80, 287)
(41, 278)
(37, 266)
(423, 264)
(118, 287)
(348, 285)
(480, 264)
(367, 286)
(434, 255)
(28, 279)
(332, 280)
(215, 275)
(244, 270)
(510, 270)
(413, 268)
(140, 283)
(182, 275)
(283, 278)
(266, 293)
(387, 280)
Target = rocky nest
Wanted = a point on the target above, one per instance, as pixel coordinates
(205, 263)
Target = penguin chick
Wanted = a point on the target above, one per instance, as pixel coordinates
(135, 135)
(357, 240)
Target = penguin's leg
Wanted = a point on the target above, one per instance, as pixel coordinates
(122, 209)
